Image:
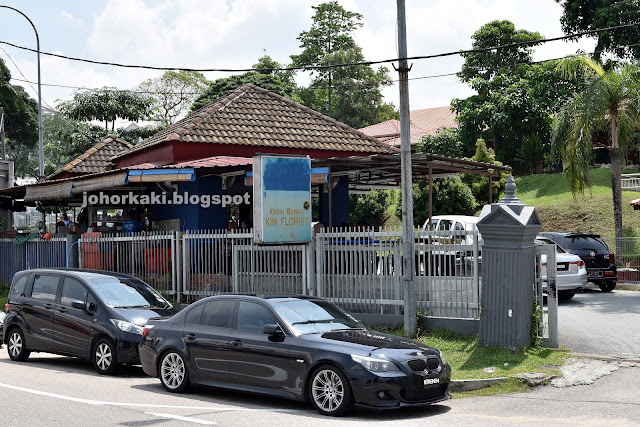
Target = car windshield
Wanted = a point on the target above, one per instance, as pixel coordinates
(312, 317)
(153, 298)
(117, 294)
(545, 241)
(586, 243)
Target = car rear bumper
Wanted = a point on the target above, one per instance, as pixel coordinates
(148, 360)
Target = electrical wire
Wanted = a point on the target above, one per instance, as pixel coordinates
(321, 67)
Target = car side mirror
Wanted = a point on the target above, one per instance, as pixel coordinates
(78, 304)
(271, 329)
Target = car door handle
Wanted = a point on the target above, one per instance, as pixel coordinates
(191, 337)
(236, 343)
(47, 305)
(62, 310)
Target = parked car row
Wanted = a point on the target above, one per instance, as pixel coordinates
(295, 347)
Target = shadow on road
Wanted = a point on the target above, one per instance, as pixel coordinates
(74, 365)
(246, 401)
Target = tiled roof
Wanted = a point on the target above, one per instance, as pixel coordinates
(432, 119)
(254, 116)
(389, 132)
(95, 159)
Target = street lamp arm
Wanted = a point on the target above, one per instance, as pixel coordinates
(41, 146)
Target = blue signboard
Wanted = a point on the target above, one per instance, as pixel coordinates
(282, 199)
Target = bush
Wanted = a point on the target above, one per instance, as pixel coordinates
(450, 197)
(480, 183)
(369, 208)
(444, 142)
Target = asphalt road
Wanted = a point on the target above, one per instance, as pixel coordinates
(606, 324)
(51, 391)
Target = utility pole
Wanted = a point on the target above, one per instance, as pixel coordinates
(4, 150)
(408, 239)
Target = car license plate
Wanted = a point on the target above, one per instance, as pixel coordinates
(596, 273)
(431, 381)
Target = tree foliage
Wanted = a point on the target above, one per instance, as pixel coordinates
(531, 153)
(479, 184)
(515, 98)
(585, 15)
(609, 103)
(369, 208)
(348, 94)
(265, 76)
(20, 111)
(450, 196)
(443, 142)
(106, 105)
(172, 94)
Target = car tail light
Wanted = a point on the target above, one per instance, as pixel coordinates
(544, 264)
(580, 264)
(6, 307)
(146, 330)
(608, 273)
(612, 259)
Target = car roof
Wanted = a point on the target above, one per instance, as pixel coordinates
(460, 218)
(270, 298)
(74, 273)
(569, 233)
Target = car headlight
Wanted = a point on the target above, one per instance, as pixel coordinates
(127, 326)
(443, 362)
(375, 365)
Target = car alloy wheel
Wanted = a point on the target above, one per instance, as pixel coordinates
(16, 346)
(105, 357)
(173, 372)
(330, 392)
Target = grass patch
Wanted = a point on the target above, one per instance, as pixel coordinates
(4, 293)
(590, 212)
(468, 358)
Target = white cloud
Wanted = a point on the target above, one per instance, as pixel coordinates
(68, 17)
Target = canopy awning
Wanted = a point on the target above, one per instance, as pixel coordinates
(60, 190)
(161, 175)
(99, 183)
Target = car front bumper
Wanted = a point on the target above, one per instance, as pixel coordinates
(386, 392)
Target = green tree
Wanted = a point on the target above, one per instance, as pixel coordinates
(450, 196)
(172, 94)
(106, 105)
(368, 208)
(20, 111)
(586, 15)
(265, 76)
(348, 94)
(479, 184)
(532, 152)
(443, 142)
(609, 103)
(514, 97)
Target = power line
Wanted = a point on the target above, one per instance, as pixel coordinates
(321, 67)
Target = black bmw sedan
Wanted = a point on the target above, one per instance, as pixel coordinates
(301, 348)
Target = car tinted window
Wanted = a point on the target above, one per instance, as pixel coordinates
(545, 241)
(585, 243)
(92, 304)
(253, 316)
(459, 227)
(218, 313)
(308, 317)
(445, 225)
(72, 290)
(45, 287)
(19, 286)
(194, 315)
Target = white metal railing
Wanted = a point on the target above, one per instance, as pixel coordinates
(17, 255)
(362, 271)
(149, 256)
(545, 289)
(359, 269)
(631, 181)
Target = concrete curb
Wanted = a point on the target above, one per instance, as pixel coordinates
(533, 379)
(604, 358)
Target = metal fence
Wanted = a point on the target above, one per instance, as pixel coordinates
(16, 254)
(629, 261)
(149, 256)
(359, 269)
(630, 181)
(362, 271)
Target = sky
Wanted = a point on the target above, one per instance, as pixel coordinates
(235, 33)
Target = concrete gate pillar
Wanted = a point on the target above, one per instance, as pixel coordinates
(508, 228)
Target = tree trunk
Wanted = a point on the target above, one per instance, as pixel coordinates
(616, 187)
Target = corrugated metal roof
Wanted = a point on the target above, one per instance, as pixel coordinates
(254, 116)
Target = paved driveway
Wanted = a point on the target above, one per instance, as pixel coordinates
(596, 322)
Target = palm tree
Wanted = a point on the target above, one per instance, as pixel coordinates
(610, 103)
